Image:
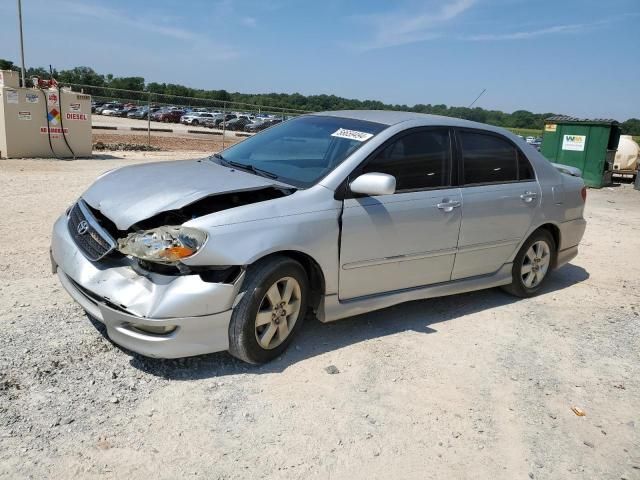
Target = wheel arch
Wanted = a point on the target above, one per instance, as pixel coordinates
(554, 230)
(315, 275)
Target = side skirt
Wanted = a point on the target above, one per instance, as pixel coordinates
(332, 308)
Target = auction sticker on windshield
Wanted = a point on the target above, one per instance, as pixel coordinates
(352, 135)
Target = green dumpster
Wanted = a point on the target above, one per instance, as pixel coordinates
(589, 145)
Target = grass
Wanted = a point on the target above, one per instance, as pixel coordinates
(527, 132)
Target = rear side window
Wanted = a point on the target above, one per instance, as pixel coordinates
(418, 160)
(488, 159)
(525, 170)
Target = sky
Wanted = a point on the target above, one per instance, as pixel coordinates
(576, 57)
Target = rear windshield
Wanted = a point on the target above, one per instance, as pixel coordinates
(303, 150)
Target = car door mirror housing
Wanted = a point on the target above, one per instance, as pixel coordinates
(373, 184)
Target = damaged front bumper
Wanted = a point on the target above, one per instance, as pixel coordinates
(193, 314)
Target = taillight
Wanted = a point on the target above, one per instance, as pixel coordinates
(583, 192)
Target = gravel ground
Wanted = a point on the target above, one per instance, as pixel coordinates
(478, 385)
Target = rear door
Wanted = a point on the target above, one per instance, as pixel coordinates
(408, 239)
(500, 196)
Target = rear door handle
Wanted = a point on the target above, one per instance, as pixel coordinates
(528, 197)
(448, 206)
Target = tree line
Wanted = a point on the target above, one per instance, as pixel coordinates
(522, 119)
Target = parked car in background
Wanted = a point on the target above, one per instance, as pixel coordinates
(126, 110)
(114, 111)
(218, 119)
(536, 143)
(331, 214)
(142, 113)
(530, 140)
(95, 105)
(168, 116)
(256, 126)
(155, 116)
(260, 125)
(108, 106)
(236, 124)
(138, 111)
(196, 118)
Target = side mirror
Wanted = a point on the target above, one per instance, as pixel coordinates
(373, 184)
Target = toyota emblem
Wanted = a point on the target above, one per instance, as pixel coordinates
(82, 228)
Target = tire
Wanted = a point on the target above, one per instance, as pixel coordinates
(526, 270)
(195, 123)
(246, 327)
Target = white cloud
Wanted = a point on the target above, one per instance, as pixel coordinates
(522, 35)
(208, 49)
(93, 10)
(403, 27)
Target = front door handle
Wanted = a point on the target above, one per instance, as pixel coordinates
(448, 205)
(528, 197)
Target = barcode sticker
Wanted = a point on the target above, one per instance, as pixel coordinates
(352, 135)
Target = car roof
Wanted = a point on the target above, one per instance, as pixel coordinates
(392, 117)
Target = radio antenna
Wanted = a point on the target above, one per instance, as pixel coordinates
(478, 97)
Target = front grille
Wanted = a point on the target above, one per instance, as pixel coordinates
(92, 240)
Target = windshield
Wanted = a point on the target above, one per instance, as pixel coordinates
(303, 150)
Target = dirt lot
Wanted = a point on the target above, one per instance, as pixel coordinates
(174, 143)
(472, 386)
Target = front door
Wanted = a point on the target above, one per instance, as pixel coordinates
(407, 239)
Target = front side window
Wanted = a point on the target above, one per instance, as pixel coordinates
(303, 150)
(419, 160)
(488, 159)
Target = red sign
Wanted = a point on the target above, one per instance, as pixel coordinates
(53, 130)
(77, 116)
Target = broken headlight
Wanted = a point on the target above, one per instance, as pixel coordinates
(168, 244)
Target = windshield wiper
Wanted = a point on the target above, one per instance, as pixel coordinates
(244, 166)
(256, 170)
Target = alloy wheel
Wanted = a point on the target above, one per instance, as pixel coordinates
(535, 264)
(278, 313)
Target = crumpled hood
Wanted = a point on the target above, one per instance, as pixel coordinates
(131, 194)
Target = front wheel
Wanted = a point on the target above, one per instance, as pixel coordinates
(271, 310)
(532, 265)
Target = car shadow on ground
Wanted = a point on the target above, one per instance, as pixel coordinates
(317, 338)
(102, 156)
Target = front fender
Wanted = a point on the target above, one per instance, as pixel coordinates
(313, 233)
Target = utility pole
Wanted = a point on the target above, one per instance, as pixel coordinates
(149, 120)
(24, 84)
(224, 122)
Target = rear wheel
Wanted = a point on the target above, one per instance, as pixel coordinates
(271, 310)
(532, 265)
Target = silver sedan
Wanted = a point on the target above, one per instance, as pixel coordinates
(331, 214)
